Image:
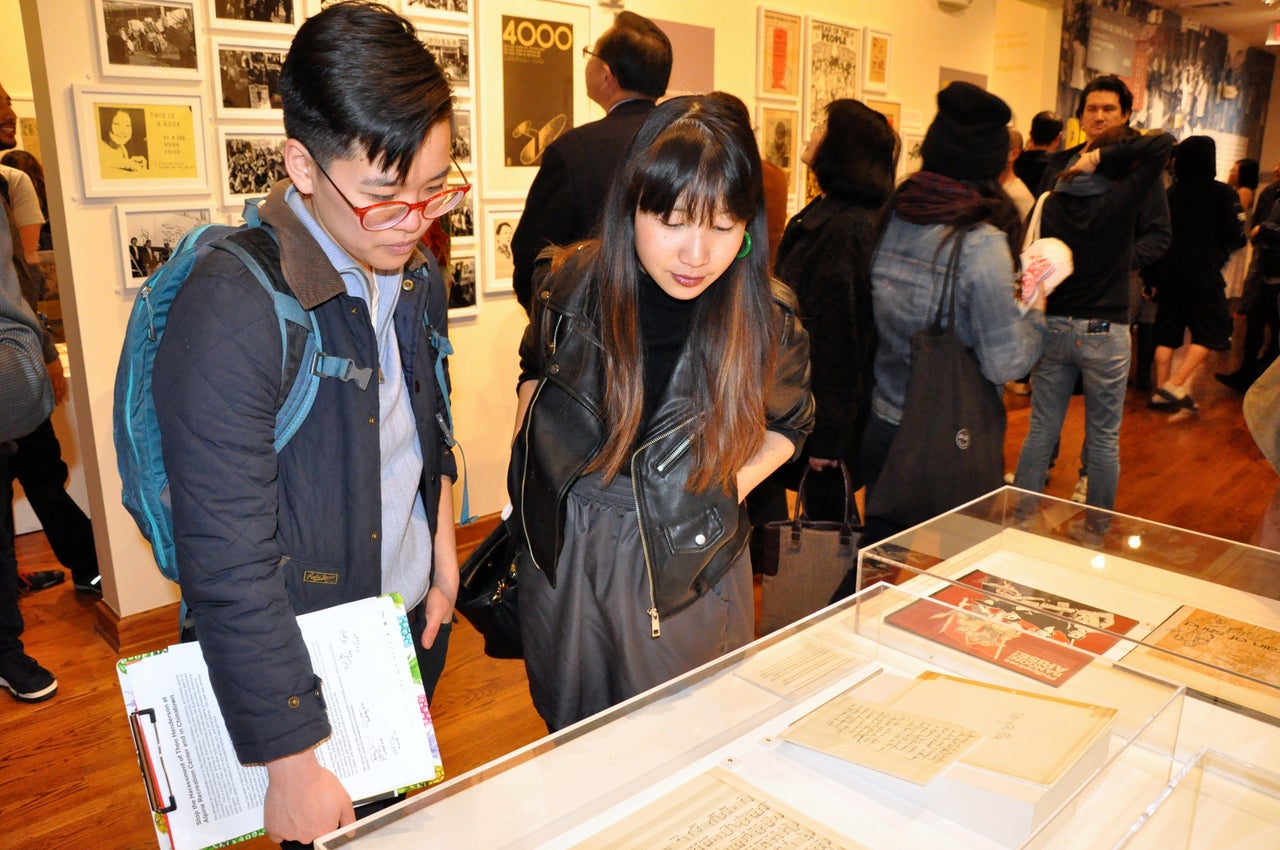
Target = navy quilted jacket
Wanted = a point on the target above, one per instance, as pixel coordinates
(259, 537)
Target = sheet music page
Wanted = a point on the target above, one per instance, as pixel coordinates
(805, 662)
(914, 747)
(382, 736)
(716, 811)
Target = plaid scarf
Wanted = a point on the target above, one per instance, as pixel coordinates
(927, 197)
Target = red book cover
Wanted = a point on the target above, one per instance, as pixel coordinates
(996, 619)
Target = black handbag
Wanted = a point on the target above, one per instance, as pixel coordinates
(805, 560)
(949, 447)
(487, 593)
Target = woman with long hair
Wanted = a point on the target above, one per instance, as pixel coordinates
(663, 376)
(825, 256)
(950, 219)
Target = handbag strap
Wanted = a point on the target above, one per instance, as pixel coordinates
(950, 284)
(1033, 224)
(849, 505)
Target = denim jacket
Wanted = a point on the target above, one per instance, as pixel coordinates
(907, 272)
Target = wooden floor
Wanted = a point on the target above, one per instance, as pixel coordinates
(69, 772)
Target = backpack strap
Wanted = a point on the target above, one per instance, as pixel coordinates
(303, 363)
(444, 418)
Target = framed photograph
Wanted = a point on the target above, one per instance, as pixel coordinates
(780, 139)
(779, 37)
(441, 10)
(460, 222)
(275, 17)
(541, 92)
(875, 65)
(452, 50)
(461, 147)
(154, 40)
(247, 84)
(910, 160)
(499, 226)
(464, 295)
(136, 143)
(890, 110)
(252, 160)
(148, 233)
(832, 66)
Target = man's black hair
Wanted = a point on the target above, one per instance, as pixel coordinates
(638, 54)
(358, 79)
(1109, 83)
(1045, 127)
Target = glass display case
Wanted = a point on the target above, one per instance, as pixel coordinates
(1197, 610)
(852, 728)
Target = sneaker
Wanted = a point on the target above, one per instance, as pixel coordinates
(30, 582)
(1008, 478)
(25, 679)
(1081, 493)
(93, 587)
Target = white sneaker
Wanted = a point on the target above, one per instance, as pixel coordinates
(1081, 493)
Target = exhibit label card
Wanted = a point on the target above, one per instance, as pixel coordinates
(1021, 628)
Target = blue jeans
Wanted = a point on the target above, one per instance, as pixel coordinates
(1102, 360)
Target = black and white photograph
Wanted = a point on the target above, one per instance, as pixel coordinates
(499, 226)
(260, 16)
(460, 150)
(447, 10)
(460, 222)
(154, 40)
(248, 81)
(463, 298)
(148, 235)
(453, 51)
(252, 161)
(779, 139)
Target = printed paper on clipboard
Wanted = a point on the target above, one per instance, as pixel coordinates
(383, 740)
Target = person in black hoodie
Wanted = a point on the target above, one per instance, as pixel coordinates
(1208, 224)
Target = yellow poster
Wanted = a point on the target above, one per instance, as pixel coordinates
(147, 141)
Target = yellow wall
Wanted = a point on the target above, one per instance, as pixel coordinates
(61, 53)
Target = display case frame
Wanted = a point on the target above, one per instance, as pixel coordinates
(1195, 609)
(564, 789)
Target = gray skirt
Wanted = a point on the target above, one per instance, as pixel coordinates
(588, 644)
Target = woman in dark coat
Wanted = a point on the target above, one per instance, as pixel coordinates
(825, 256)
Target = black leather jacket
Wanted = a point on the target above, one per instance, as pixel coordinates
(690, 539)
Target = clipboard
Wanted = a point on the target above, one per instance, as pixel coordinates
(383, 742)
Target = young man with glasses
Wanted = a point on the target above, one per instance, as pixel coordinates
(359, 502)
(627, 70)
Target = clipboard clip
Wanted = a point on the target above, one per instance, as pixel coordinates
(149, 776)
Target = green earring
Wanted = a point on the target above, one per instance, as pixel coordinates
(746, 245)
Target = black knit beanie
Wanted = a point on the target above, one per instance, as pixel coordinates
(969, 137)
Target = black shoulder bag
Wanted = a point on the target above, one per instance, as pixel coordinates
(949, 447)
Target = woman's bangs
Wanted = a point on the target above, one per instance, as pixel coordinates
(680, 171)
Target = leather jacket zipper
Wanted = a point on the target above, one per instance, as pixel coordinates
(655, 624)
(524, 474)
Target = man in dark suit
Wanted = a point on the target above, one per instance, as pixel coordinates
(626, 72)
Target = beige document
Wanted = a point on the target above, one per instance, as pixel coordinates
(1026, 735)
(805, 662)
(937, 720)
(716, 811)
(915, 747)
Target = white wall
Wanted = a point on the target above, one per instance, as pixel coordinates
(61, 50)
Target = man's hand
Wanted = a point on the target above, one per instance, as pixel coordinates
(304, 800)
(59, 381)
(439, 610)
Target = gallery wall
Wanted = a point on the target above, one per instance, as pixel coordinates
(1010, 45)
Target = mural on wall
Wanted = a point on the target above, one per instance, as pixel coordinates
(1186, 78)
